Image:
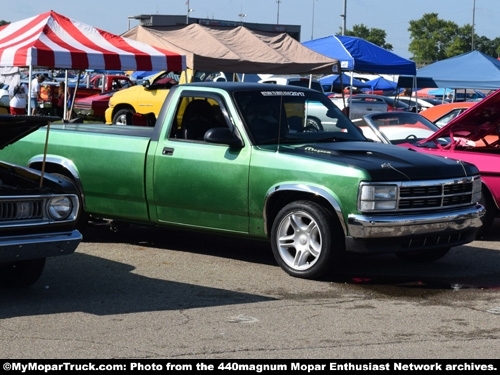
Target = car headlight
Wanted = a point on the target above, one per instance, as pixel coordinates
(378, 197)
(60, 207)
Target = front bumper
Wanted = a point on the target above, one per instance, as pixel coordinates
(108, 116)
(393, 233)
(86, 112)
(33, 246)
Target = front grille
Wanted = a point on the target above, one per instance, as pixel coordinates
(435, 195)
(18, 210)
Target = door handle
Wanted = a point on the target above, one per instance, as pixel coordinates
(167, 151)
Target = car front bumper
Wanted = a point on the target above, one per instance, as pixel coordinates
(392, 233)
(33, 246)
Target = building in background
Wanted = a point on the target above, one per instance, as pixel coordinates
(171, 20)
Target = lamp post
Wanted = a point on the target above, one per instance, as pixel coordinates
(278, 14)
(189, 10)
(473, 22)
(344, 16)
(242, 15)
(312, 25)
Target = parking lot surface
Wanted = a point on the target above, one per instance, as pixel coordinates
(156, 293)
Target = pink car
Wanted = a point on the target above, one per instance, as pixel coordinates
(474, 137)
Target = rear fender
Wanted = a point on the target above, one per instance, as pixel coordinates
(57, 164)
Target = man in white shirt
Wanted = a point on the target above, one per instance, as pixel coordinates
(36, 89)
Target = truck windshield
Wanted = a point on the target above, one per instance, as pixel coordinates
(274, 116)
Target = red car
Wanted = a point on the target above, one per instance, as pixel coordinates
(93, 106)
(473, 137)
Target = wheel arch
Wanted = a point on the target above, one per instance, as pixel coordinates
(60, 165)
(486, 188)
(120, 106)
(488, 201)
(280, 195)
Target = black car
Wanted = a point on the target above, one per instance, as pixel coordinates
(39, 211)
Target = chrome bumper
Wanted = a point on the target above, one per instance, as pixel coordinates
(40, 245)
(367, 227)
(392, 234)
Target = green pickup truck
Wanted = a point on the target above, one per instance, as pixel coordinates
(243, 159)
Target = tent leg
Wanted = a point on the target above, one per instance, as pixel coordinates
(30, 72)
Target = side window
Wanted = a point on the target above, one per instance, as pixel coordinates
(194, 116)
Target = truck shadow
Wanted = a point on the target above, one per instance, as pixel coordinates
(180, 240)
(85, 283)
(475, 265)
(96, 285)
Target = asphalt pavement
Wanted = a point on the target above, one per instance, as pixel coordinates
(154, 293)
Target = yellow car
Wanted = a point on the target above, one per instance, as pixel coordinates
(145, 98)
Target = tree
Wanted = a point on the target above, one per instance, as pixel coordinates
(433, 39)
(2, 22)
(430, 37)
(373, 35)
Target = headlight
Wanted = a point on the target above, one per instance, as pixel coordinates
(60, 208)
(378, 197)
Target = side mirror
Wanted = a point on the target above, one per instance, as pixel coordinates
(223, 136)
(146, 83)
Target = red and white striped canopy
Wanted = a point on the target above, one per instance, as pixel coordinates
(52, 40)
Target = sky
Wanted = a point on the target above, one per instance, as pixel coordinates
(317, 18)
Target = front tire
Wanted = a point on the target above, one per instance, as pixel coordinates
(305, 238)
(489, 217)
(120, 118)
(22, 273)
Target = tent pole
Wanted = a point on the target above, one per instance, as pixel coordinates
(350, 94)
(68, 117)
(65, 101)
(29, 89)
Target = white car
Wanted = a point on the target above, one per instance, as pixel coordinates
(294, 81)
(423, 103)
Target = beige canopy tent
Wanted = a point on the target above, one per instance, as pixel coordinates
(236, 49)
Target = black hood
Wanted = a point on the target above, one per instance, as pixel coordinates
(13, 128)
(385, 162)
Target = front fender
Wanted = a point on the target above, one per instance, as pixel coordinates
(301, 188)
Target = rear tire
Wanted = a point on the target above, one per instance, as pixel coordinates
(22, 273)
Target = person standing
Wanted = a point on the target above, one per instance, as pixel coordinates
(62, 99)
(18, 92)
(36, 90)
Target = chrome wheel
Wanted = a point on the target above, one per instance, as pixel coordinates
(299, 240)
(302, 239)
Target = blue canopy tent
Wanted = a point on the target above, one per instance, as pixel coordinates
(141, 74)
(382, 84)
(471, 70)
(356, 54)
(333, 82)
